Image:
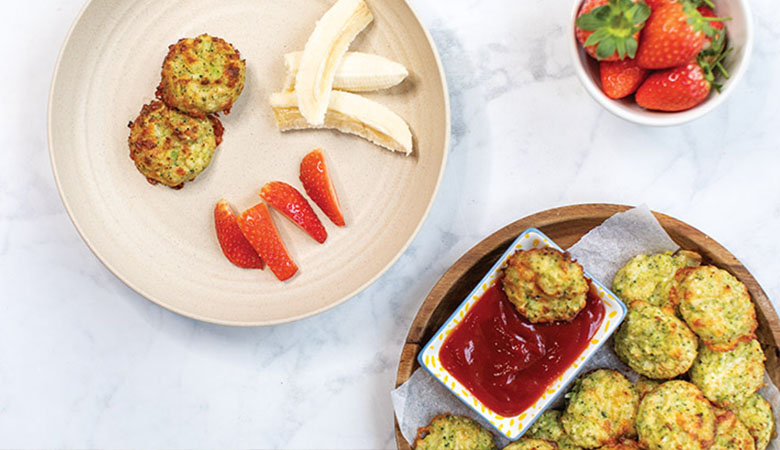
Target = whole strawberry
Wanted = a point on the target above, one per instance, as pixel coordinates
(609, 29)
(673, 36)
(621, 78)
(674, 89)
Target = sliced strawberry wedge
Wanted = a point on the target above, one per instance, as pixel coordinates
(288, 201)
(260, 231)
(234, 245)
(316, 182)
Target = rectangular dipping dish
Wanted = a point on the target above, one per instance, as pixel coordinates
(513, 427)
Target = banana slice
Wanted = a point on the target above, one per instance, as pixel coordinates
(358, 72)
(348, 113)
(323, 53)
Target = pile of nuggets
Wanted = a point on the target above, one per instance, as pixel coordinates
(689, 334)
(174, 138)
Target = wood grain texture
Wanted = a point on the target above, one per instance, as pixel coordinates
(565, 226)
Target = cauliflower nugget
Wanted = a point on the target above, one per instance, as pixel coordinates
(548, 427)
(756, 414)
(453, 433)
(675, 416)
(647, 277)
(531, 444)
(654, 342)
(545, 285)
(730, 433)
(202, 75)
(602, 407)
(728, 378)
(170, 147)
(716, 306)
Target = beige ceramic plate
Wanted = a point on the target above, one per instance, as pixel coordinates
(161, 242)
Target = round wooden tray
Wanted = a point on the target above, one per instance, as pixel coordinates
(566, 226)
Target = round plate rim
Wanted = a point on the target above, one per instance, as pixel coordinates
(140, 291)
(539, 219)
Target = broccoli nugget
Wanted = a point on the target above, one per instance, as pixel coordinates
(602, 407)
(548, 427)
(645, 386)
(170, 147)
(453, 433)
(728, 378)
(675, 416)
(647, 277)
(531, 444)
(730, 433)
(654, 342)
(624, 444)
(716, 306)
(202, 75)
(756, 414)
(545, 285)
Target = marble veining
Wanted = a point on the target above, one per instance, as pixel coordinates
(86, 362)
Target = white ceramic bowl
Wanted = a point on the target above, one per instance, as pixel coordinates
(740, 36)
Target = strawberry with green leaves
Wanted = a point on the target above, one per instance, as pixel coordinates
(609, 29)
(684, 87)
(673, 36)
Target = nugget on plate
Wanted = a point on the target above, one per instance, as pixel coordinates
(730, 433)
(645, 386)
(654, 342)
(170, 147)
(624, 444)
(756, 414)
(601, 408)
(716, 306)
(728, 378)
(545, 285)
(647, 277)
(453, 432)
(525, 443)
(202, 75)
(676, 415)
(548, 427)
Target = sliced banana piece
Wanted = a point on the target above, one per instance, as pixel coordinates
(358, 72)
(348, 113)
(323, 53)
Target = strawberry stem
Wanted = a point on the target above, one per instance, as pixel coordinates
(614, 26)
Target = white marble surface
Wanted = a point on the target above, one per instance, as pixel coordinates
(85, 362)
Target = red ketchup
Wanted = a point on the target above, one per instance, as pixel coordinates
(508, 362)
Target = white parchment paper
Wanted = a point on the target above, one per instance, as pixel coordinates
(602, 252)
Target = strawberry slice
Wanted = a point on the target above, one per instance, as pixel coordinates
(288, 201)
(316, 182)
(234, 245)
(260, 231)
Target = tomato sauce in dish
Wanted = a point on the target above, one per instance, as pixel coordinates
(508, 362)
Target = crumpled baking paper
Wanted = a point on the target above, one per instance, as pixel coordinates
(602, 251)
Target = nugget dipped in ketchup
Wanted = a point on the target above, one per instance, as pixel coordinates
(545, 285)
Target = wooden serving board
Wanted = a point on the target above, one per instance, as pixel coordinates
(566, 225)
